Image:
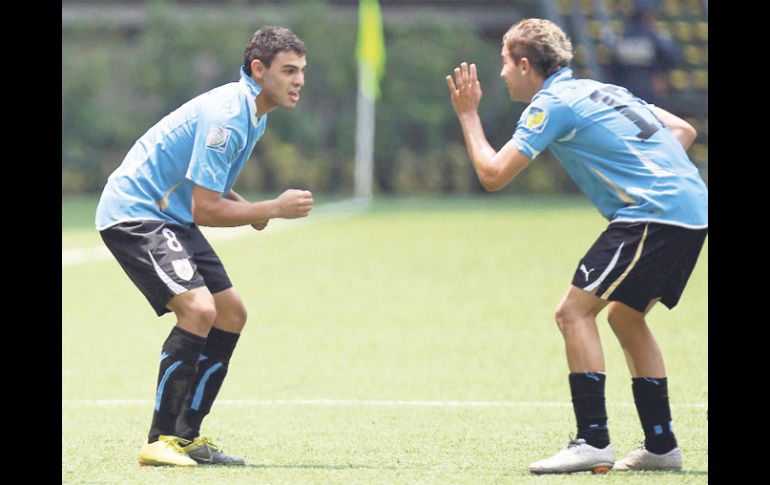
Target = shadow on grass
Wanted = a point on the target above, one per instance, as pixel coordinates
(656, 473)
(316, 466)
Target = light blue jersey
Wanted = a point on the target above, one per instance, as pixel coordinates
(616, 150)
(206, 141)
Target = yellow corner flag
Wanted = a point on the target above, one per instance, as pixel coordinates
(370, 48)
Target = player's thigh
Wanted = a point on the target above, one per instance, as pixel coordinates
(663, 265)
(156, 258)
(618, 312)
(609, 263)
(231, 312)
(195, 310)
(207, 262)
(637, 263)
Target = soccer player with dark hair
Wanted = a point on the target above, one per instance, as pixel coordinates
(629, 158)
(178, 176)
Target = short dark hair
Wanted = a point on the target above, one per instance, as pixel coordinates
(269, 41)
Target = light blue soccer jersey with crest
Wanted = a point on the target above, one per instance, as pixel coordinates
(616, 150)
(206, 141)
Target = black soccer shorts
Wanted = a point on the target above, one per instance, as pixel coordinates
(636, 262)
(164, 259)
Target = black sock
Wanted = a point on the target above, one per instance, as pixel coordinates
(177, 371)
(651, 399)
(212, 369)
(590, 411)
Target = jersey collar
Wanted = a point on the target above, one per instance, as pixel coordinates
(252, 89)
(563, 74)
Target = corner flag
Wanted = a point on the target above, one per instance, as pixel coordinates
(370, 48)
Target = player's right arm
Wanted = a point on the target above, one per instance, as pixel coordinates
(682, 130)
(210, 208)
(219, 138)
(494, 169)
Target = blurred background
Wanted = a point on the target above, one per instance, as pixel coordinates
(126, 64)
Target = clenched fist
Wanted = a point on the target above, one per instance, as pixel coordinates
(293, 204)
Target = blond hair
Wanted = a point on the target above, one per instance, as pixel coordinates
(542, 42)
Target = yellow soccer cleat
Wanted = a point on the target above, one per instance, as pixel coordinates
(203, 451)
(166, 451)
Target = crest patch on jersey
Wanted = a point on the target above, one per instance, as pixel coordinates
(217, 138)
(536, 119)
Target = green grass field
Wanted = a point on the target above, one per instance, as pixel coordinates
(413, 343)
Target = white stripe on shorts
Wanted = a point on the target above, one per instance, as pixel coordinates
(172, 285)
(609, 268)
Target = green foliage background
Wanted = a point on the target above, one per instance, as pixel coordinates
(118, 80)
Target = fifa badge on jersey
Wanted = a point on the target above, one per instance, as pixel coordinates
(217, 138)
(183, 268)
(536, 119)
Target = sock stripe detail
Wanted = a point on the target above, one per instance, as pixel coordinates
(196, 404)
(162, 384)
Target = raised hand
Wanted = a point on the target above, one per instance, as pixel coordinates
(465, 90)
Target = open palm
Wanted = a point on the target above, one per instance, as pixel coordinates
(465, 89)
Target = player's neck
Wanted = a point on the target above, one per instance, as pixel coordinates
(535, 86)
(264, 105)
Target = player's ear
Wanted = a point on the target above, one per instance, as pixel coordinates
(524, 65)
(257, 68)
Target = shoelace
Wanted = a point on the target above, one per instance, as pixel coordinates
(176, 443)
(206, 441)
(574, 441)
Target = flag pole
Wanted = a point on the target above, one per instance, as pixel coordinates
(370, 53)
(364, 140)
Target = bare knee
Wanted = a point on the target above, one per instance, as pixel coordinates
(578, 308)
(204, 312)
(232, 318)
(565, 317)
(614, 318)
(231, 312)
(196, 313)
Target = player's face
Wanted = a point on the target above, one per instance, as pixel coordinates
(282, 81)
(508, 72)
(512, 76)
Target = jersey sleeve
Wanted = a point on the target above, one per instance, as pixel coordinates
(218, 141)
(546, 119)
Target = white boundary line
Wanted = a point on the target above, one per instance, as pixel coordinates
(325, 212)
(363, 403)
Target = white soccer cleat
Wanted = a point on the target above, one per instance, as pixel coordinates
(578, 456)
(643, 459)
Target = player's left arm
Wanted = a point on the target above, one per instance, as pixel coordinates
(494, 169)
(682, 130)
(235, 196)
